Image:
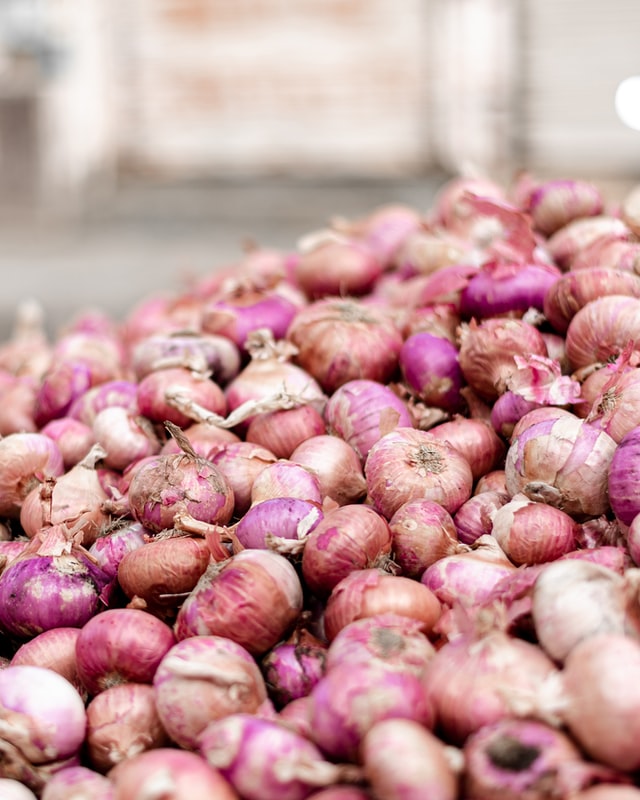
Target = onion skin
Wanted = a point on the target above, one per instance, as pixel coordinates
(348, 538)
(202, 679)
(267, 523)
(426, 767)
(368, 592)
(272, 601)
(178, 774)
(409, 464)
(121, 645)
(344, 340)
(25, 460)
(122, 721)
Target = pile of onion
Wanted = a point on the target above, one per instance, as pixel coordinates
(355, 519)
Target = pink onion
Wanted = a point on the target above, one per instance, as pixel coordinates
(121, 645)
(293, 667)
(384, 229)
(476, 440)
(264, 759)
(110, 393)
(205, 439)
(474, 518)
(361, 411)
(101, 350)
(623, 478)
(13, 789)
(409, 464)
(54, 649)
(348, 701)
(422, 532)
(555, 203)
(61, 385)
(348, 538)
(320, 333)
(563, 462)
(533, 533)
(507, 410)
(569, 240)
(272, 601)
(73, 437)
(431, 370)
(278, 523)
(392, 640)
(573, 600)
(155, 404)
(109, 549)
(282, 431)
(167, 484)
(26, 459)
(240, 463)
(602, 328)
(368, 592)
(337, 266)
(122, 721)
(77, 782)
(174, 773)
(204, 678)
(336, 465)
(285, 478)
(124, 437)
(469, 680)
(17, 407)
(403, 759)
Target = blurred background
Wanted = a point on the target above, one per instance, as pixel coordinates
(146, 141)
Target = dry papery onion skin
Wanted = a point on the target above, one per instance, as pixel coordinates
(352, 520)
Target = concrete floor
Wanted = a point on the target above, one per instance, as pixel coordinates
(149, 237)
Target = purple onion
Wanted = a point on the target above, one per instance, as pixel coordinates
(624, 478)
(292, 668)
(62, 384)
(203, 352)
(286, 478)
(347, 702)
(110, 549)
(264, 759)
(40, 592)
(507, 410)
(277, 518)
(111, 393)
(361, 411)
(499, 288)
(474, 517)
(430, 368)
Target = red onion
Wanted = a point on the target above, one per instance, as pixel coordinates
(368, 592)
(470, 680)
(430, 368)
(438, 319)
(623, 478)
(205, 439)
(122, 721)
(403, 759)
(515, 758)
(293, 667)
(361, 411)
(296, 715)
(422, 533)
(74, 499)
(109, 549)
(241, 463)
(26, 459)
(31, 585)
(392, 640)
(446, 285)
(487, 351)
(409, 464)
(43, 717)
(348, 701)
(349, 537)
(124, 437)
(499, 288)
(337, 266)
(201, 352)
(563, 462)
(321, 331)
(633, 540)
(614, 405)
(77, 782)
(280, 523)
(111, 393)
(73, 438)
(263, 759)
(121, 645)
(54, 649)
(555, 203)
(493, 481)
(168, 772)
(272, 601)
(184, 385)
(507, 410)
(101, 351)
(608, 791)
(163, 569)
(282, 431)
(569, 240)
(337, 466)
(467, 578)
(384, 229)
(285, 478)
(474, 518)
(202, 679)
(574, 599)
(611, 252)
(599, 698)
(61, 385)
(168, 484)
(17, 406)
(532, 533)
(602, 328)
(476, 440)
(12, 789)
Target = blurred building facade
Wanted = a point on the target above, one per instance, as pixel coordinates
(91, 90)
